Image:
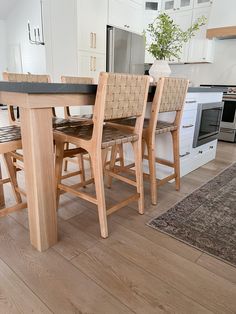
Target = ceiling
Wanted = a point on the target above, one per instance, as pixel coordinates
(5, 7)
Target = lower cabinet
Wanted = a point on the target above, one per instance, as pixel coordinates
(91, 64)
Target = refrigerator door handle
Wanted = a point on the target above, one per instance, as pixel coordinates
(110, 50)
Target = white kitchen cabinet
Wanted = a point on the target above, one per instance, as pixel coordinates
(170, 6)
(127, 15)
(92, 21)
(91, 64)
(151, 11)
(201, 49)
(184, 20)
(140, 2)
(202, 3)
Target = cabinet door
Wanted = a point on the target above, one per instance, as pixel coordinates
(91, 64)
(92, 21)
(140, 2)
(200, 48)
(185, 5)
(126, 14)
(169, 6)
(184, 20)
(202, 3)
(136, 17)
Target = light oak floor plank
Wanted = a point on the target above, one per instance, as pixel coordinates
(62, 287)
(133, 286)
(15, 296)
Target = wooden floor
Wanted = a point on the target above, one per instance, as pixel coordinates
(136, 270)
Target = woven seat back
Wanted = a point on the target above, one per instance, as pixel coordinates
(125, 96)
(174, 93)
(76, 80)
(32, 78)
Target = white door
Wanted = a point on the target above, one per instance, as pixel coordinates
(118, 15)
(185, 5)
(202, 3)
(91, 64)
(169, 6)
(184, 20)
(92, 21)
(200, 48)
(136, 17)
(126, 14)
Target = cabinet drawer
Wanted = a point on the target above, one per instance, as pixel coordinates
(206, 148)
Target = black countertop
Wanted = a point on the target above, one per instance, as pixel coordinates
(61, 88)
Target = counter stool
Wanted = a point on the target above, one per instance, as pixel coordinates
(169, 97)
(10, 141)
(118, 96)
(84, 117)
(56, 121)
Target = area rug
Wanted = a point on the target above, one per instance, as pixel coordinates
(206, 219)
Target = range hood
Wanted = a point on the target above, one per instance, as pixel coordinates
(222, 20)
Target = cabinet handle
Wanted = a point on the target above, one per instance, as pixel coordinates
(95, 40)
(200, 152)
(184, 155)
(91, 63)
(94, 63)
(190, 101)
(187, 126)
(91, 40)
(211, 147)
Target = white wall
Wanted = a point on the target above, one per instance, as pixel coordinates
(221, 71)
(33, 57)
(3, 48)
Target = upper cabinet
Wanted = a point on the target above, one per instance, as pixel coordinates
(171, 6)
(201, 48)
(126, 14)
(152, 9)
(92, 22)
(202, 3)
(184, 20)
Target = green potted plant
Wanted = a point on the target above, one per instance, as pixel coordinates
(167, 41)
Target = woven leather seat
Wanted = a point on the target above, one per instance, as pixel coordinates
(60, 122)
(10, 134)
(161, 127)
(164, 127)
(110, 136)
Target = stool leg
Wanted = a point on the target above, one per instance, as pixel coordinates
(121, 155)
(137, 147)
(112, 164)
(12, 175)
(66, 162)
(175, 139)
(2, 199)
(99, 187)
(58, 168)
(152, 171)
(81, 166)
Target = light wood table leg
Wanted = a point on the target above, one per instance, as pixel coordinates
(37, 140)
(2, 199)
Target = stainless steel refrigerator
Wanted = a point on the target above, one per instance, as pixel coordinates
(125, 51)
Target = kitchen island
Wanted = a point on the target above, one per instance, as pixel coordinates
(191, 157)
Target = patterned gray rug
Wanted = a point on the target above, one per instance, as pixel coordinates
(206, 219)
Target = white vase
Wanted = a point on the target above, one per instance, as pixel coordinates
(160, 68)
